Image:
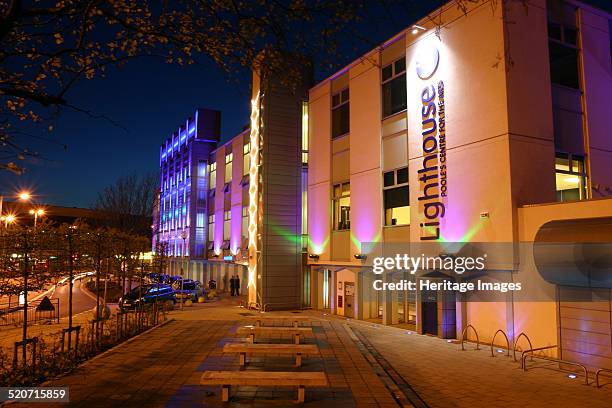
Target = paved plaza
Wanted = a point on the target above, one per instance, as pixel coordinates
(368, 365)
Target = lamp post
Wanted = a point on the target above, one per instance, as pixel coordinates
(184, 236)
(23, 196)
(37, 213)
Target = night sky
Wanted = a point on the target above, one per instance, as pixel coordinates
(151, 99)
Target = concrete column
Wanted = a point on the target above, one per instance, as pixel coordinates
(389, 302)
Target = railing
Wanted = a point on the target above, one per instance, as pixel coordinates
(532, 350)
(597, 376)
(516, 342)
(464, 332)
(556, 360)
(14, 315)
(507, 342)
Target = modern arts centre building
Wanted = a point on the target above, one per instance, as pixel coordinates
(484, 122)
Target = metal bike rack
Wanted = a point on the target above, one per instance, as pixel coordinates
(597, 376)
(463, 333)
(556, 360)
(532, 350)
(507, 342)
(516, 342)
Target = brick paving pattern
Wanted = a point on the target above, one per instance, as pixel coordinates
(367, 365)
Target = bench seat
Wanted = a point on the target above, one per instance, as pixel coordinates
(294, 349)
(264, 379)
(296, 332)
(259, 319)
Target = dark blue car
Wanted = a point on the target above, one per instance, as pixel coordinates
(147, 294)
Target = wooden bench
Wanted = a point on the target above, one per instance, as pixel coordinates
(295, 331)
(294, 349)
(264, 379)
(259, 319)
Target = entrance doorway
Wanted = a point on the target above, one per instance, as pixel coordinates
(349, 298)
(429, 307)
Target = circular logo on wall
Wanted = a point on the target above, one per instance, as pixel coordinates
(427, 62)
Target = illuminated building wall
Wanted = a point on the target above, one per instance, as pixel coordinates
(183, 187)
(520, 130)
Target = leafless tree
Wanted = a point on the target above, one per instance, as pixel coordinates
(129, 202)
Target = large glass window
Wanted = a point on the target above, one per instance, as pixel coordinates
(394, 87)
(245, 223)
(342, 206)
(563, 44)
(212, 175)
(340, 113)
(211, 228)
(570, 177)
(246, 158)
(227, 220)
(228, 167)
(396, 195)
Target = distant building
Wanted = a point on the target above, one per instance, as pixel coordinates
(55, 214)
(226, 209)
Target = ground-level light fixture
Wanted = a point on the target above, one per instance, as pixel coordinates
(314, 257)
(361, 257)
(572, 376)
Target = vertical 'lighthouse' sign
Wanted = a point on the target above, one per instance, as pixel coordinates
(432, 174)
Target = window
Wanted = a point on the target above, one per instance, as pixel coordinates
(305, 132)
(211, 228)
(227, 221)
(228, 167)
(245, 223)
(340, 113)
(212, 175)
(201, 168)
(246, 158)
(563, 44)
(394, 87)
(342, 206)
(570, 177)
(396, 195)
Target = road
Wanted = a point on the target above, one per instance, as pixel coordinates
(81, 301)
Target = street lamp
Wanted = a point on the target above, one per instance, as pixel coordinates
(8, 219)
(184, 236)
(37, 213)
(22, 195)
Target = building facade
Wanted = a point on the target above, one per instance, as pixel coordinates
(225, 209)
(485, 123)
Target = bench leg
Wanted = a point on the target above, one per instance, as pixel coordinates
(242, 359)
(298, 360)
(252, 337)
(295, 323)
(300, 398)
(258, 323)
(225, 391)
(297, 338)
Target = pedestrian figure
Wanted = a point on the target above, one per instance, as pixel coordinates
(232, 282)
(237, 285)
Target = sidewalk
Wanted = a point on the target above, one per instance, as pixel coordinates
(368, 366)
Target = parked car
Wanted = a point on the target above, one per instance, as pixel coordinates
(190, 289)
(169, 280)
(147, 294)
(153, 277)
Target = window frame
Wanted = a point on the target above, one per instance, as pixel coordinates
(392, 187)
(394, 75)
(336, 203)
(341, 103)
(582, 175)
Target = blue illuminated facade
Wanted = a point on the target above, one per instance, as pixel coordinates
(183, 162)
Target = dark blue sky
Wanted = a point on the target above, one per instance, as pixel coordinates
(151, 99)
(147, 97)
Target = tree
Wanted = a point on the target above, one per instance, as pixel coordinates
(129, 203)
(46, 46)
